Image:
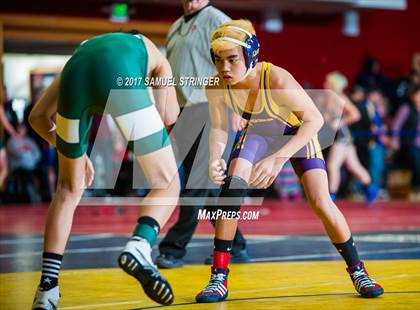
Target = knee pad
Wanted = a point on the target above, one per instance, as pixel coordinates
(232, 194)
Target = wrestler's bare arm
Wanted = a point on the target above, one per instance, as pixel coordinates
(287, 93)
(165, 97)
(219, 122)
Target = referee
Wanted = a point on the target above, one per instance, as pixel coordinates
(188, 52)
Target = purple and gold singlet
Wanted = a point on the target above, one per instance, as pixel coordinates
(269, 127)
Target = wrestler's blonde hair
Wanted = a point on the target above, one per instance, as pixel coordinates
(224, 31)
(337, 81)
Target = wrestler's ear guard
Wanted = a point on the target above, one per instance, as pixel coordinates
(250, 48)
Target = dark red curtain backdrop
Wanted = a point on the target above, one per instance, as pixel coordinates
(309, 46)
(309, 49)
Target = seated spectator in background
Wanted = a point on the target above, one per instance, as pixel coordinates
(23, 155)
(406, 137)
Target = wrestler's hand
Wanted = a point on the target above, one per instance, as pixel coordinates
(89, 172)
(238, 123)
(217, 169)
(265, 171)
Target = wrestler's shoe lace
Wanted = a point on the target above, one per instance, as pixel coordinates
(363, 283)
(216, 290)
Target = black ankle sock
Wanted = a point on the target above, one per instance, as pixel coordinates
(51, 265)
(222, 245)
(348, 251)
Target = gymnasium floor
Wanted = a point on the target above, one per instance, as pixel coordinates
(293, 263)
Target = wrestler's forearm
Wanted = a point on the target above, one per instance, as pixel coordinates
(218, 141)
(305, 133)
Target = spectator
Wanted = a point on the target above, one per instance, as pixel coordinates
(379, 140)
(372, 77)
(46, 169)
(360, 130)
(188, 51)
(5, 125)
(343, 151)
(404, 85)
(406, 138)
(24, 155)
